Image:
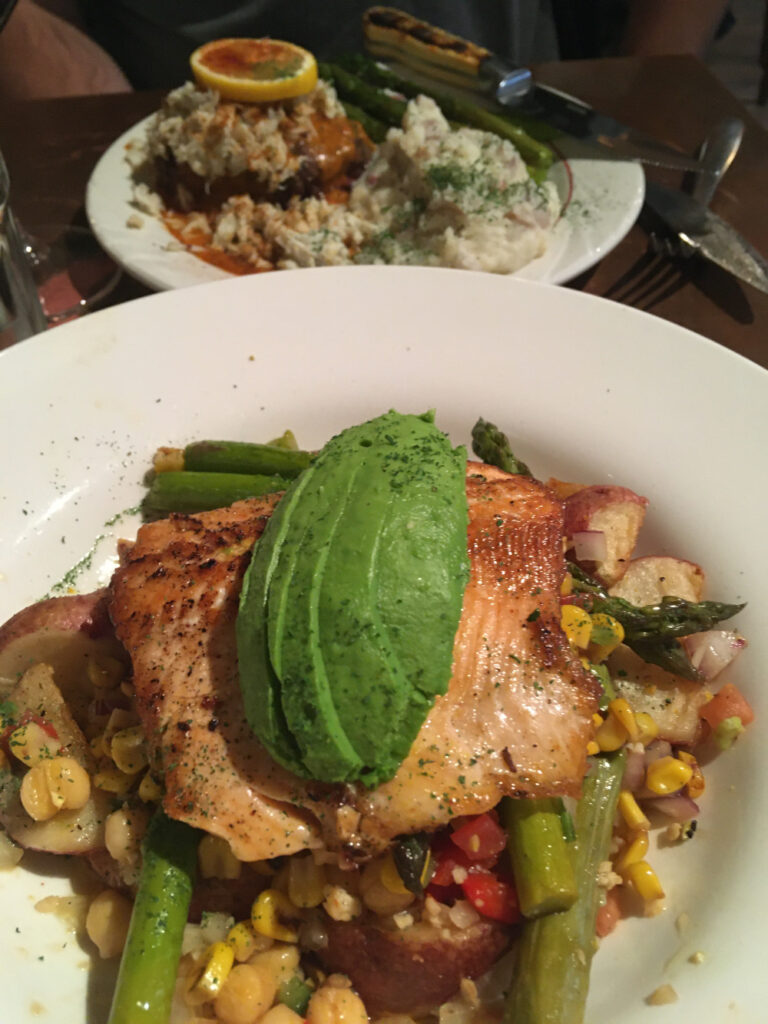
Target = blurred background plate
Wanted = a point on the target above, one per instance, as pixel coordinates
(601, 198)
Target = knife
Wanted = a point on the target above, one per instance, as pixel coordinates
(707, 235)
(437, 54)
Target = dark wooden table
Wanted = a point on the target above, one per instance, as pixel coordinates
(51, 147)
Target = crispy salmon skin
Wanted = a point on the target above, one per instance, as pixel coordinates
(515, 721)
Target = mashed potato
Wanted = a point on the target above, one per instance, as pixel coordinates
(431, 195)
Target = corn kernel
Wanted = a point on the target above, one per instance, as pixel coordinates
(576, 624)
(644, 881)
(611, 735)
(607, 634)
(696, 784)
(390, 876)
(306, 881)
(31, 743)
(632, 813)
(149, 790)
(128, 750)
(218, 964)
(667, 775)
(647, 728)
(632, 853)
(98, 748)
(592, 748)
(119, 719)
(566, 587)
(243, 940)
(112, 780)
(621, 710)
(69, 783)
(105, 672)
(597, 720)
(216, 859)
(268, 915)
(124, 830)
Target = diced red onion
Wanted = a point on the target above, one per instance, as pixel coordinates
(634, 771)
(589, 545)
(657, 749)
(678, 807)
(712, 650)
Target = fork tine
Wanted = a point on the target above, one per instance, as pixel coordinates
(640, 265)
(669, 280)
(646, 282)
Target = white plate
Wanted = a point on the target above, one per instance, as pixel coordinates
(587, 389)
(603, 200)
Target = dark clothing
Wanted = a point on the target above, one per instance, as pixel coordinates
(152, 39)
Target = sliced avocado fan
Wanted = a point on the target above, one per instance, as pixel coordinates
(352, 599)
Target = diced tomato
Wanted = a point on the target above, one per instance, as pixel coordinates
(481, 838)
(447, 894)
(447, 856)
(491, 896)
(729, 702)
(27, 716)
(609, 915)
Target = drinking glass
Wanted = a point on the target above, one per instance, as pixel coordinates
(49, 273)
(21, 314)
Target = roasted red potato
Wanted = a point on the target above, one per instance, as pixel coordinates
(69, 831)
(673, 703)
(618, 514)
(647, 580)
(65, 633)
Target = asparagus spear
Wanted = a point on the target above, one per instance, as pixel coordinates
(529, 135)
(375, 129)
(373, 101)
(150, 961)
(551, 974)
(492, 446)
(237, 457)
(286, 440)
(541, 860)
(651, 631)
(186, 491)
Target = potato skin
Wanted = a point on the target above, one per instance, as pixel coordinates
(75, 612)
(413, 970)
(618, 513)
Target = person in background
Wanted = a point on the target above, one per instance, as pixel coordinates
(44, 53)
(69, 47)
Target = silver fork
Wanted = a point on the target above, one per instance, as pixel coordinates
(664, 268)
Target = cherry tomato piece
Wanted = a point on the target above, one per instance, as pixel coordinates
(481, 838)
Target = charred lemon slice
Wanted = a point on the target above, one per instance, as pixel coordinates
(254, 70)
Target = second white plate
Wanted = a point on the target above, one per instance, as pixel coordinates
(601, 200)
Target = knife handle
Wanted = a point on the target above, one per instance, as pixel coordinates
(395, 35)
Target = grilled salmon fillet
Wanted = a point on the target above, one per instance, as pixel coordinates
(515, 720)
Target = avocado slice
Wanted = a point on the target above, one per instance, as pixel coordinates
(353, 598)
